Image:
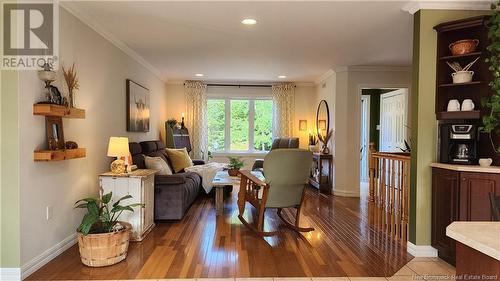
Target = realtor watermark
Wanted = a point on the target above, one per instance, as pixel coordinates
(456, 277)
(30, 35)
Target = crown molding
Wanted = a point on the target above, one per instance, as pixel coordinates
(298, 84)
(79, 14)
(368, 68)
(417, 5)
(324, 76)
(305, 84)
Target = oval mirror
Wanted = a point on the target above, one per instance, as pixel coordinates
(323, 118)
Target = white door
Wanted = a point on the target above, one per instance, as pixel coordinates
(365, 136)
(393, 120)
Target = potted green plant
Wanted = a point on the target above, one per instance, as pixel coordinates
(491, 121)
(102, 239)
(235, 164)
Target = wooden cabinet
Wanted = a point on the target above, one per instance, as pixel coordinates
(474, 200)
(459, 196)
(445, 188)
(140, 185)
(321, 172)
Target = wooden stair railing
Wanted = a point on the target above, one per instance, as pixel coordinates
(389, 192)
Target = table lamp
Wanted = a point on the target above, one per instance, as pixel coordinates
(118, 147)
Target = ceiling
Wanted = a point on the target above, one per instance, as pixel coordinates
(301, 40)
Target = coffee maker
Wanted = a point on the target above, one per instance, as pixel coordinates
(458, 143)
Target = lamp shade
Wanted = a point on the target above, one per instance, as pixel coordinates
(118, 147)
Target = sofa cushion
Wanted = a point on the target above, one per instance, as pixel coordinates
(159, 145)
(148, 147)
(170, 179)
(179, 158)
(157, 163)
(136, 153)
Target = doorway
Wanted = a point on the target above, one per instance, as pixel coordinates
(384, 119)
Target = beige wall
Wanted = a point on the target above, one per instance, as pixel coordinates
(424, 125)
(102, 69)
(341, 88)
(358, 79)
(305, 108)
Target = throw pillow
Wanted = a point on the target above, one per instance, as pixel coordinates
(156, 163)
(179, 158)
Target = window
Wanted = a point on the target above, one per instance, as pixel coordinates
(239, 125)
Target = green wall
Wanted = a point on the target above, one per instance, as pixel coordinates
(9, 176)
(424, 125)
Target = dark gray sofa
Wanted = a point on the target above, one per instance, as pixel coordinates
(175, 193)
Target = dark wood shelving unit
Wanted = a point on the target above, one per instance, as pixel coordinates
(457, 115)
(451, 57)
(461, 195)
(447, 33)
(461, 84)
(446, 90)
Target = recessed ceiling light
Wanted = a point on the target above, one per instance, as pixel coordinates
(199, 75)
(282, 76)
(249, 21)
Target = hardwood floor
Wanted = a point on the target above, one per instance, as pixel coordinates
(203, 245)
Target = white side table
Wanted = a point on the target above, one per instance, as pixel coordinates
(140, 185)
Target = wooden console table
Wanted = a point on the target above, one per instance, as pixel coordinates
(321, 174)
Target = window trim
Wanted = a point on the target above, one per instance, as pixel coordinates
(251, 126)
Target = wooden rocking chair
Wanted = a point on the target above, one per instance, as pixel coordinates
(286, 171)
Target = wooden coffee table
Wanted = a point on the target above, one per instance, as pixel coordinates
(223, 180)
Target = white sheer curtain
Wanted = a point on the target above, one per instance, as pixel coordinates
(196, 117)
(283, 110)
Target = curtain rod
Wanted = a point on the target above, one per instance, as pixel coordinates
(240, 85)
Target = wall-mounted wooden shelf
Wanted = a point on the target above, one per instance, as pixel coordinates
(59, 155)
(58, 110)
(456, 115)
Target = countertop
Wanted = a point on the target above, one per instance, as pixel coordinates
(468, 168)
(481, 236)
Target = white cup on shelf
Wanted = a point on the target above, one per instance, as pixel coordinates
(468, 105)
(453, 105)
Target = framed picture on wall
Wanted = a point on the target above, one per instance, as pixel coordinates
(138, 102)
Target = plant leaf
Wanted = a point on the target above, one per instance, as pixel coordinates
(128, 196)
(107, 197)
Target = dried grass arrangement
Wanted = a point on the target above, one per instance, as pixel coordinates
(325, 139)
(71, 82)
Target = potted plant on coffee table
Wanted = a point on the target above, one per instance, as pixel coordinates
(235, 164)
(102, 239)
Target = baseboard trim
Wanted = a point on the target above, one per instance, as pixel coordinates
(48, 255)
(10, 274)
(345, 193)
(421, 250)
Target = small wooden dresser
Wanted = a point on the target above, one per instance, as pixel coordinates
(140, 185)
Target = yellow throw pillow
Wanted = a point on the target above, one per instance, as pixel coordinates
(179, 158)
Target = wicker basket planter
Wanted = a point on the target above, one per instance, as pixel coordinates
(104, 249)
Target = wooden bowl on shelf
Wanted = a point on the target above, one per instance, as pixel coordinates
(463, 47)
